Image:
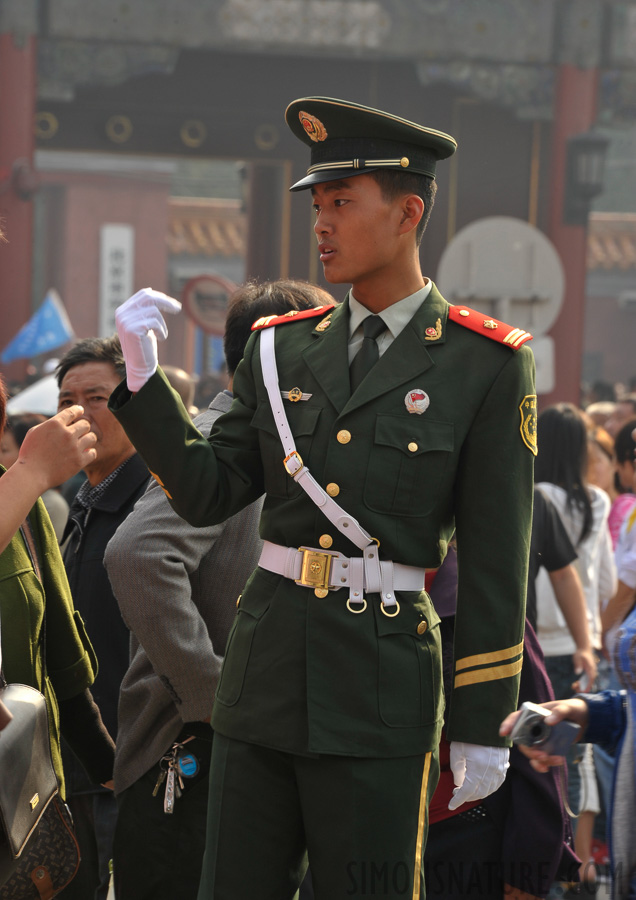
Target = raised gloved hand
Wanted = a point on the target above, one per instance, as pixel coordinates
(139, 324)
(478, 771)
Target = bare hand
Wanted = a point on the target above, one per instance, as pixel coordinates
(58, 448)
(573, 710)
(584, 662)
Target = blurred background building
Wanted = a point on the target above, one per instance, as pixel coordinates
(143, 143)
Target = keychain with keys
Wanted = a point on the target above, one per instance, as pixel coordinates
(172, 789)
(173, 767)
(160, 779)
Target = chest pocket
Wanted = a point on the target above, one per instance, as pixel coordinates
(407, 464)
(303, 420)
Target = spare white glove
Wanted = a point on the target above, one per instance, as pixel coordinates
(477, 770)
(139, 324)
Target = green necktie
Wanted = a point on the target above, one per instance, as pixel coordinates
(368, 354)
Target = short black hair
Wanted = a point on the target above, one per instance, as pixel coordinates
(20, 423)
(395, 184)
(253, 300)
(106, 350)
(624, 443)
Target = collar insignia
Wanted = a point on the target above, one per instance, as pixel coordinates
(434, 334)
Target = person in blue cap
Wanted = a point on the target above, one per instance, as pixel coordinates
(375, 428)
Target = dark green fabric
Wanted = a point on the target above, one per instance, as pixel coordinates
(266, 807)
(70, 661)
(303, 674)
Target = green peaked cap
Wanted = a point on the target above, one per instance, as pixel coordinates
(349, 139)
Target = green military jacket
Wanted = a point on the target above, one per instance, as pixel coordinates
(69, 665)
(303, 673)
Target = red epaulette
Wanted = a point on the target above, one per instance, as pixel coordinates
(294, 315)
(489, 327)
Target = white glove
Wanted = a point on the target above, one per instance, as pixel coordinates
(477, 770)
(139, 324)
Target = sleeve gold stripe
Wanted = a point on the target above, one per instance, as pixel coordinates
(492, 674)
(480, 659)
(419, 844)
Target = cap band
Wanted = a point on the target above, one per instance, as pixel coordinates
(401, 163)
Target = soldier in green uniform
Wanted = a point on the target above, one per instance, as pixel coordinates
(375, 429)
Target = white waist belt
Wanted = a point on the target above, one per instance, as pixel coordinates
(323, 571)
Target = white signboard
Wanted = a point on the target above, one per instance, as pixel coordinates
(116, 267)
(543, 349)
(507, 269)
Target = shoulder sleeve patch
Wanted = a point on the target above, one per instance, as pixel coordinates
(528, 427)
(294, 315)
(489, 327)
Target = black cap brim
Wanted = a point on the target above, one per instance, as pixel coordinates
(320, 177)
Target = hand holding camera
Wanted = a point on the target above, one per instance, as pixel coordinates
(544, 732)
(532, 730)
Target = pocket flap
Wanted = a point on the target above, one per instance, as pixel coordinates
(413, 435)
(410, 617)
(302, 420)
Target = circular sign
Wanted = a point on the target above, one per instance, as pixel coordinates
(205, 300)
(505, 268)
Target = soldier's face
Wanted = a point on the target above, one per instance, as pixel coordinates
(357, 229)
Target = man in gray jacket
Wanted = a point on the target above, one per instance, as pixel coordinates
(177, 588)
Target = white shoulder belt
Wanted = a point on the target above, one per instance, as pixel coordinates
(366, 573)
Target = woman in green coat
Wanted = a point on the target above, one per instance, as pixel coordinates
(44, 643)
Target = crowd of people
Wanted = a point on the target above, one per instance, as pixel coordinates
(263, 679)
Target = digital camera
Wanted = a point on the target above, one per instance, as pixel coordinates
(531, 730)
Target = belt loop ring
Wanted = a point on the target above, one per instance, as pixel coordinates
(356, 612)
(388, 614)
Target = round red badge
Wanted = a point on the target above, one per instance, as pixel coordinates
(417, 401)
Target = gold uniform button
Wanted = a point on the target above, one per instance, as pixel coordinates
(238, 600)
(421, 628)
(325, 541)
(413, 447)
(343, 437)
(464, 312)
(321, 592)
(333, 489)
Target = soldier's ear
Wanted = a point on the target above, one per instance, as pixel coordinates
(412, 211)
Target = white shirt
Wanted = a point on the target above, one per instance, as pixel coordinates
(595, 565)
(395, 317)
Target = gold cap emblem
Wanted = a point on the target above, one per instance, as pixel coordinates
(313, 126)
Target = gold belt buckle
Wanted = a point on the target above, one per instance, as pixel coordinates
(315, 569)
